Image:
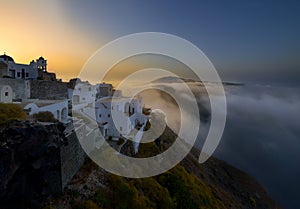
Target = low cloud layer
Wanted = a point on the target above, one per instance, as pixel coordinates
(261, 135)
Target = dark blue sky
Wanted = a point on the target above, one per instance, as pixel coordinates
(245, 40)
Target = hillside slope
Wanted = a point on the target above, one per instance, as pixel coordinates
(214, 184)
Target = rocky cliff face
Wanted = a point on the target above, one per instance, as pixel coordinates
(30, 173)
(29, 163)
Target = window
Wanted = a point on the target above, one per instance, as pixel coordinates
(121, 128)
(108, 115)
(18, 74)
(6, 94)
(100, 116)
(27, 75)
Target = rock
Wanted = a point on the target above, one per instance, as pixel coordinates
(29, 163)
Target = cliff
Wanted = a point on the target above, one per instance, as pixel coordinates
(214, 184)
(37, 162)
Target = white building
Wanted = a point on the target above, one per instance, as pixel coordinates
(6, 94)
(119, 116)
(83, 93)
(32, 71)
(59, 108)
(8, 68)
(115, 115)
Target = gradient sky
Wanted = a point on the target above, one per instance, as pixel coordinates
(245, 40)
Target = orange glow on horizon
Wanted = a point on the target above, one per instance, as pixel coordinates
(40, 28)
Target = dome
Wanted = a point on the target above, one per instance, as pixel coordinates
(41, 58)
(6, 58)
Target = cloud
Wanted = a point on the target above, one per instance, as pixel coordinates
(261, 135)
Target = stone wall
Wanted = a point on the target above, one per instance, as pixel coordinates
(36, 161)
(36, 89)
(21, 88)
(72, 158)
(48, 90)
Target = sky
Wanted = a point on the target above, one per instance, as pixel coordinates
(245, 40)
(255, 40)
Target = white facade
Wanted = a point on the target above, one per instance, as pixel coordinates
(59, 108)
(118, 116)
(18, 71)
(6, 94)
(83, 93)
(22, 71)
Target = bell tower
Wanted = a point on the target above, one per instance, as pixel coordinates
(41, 66)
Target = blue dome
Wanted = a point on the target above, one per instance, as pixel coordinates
(6, 58)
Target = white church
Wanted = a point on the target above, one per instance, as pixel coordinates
(13, 73)
(32, 71)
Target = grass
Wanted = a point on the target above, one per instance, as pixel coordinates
(10, 112)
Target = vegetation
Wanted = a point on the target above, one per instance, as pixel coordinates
(9, 112)
(88, 204)
(176, 189)
(188, 191)
(45, 116)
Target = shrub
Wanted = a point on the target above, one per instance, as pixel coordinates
(89, 204)
(121, 195)
(158, 196)
(77, 204)
(45, 116)
(9, 112)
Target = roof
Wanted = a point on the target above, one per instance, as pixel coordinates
(114, 99)
(41, 103)
(6, 58)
